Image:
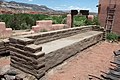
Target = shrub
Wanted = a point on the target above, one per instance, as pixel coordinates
(79, 21)
(56, 19)
(112, 36)
(82, 20)
(94, 22)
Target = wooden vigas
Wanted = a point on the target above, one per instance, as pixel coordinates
(84, 12)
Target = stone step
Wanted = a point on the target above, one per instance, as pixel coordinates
(37, 74)
(59, 50)
(4, 47)
(61, 43)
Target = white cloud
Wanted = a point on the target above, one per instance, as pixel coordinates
(57, 8)
(78, 8)
(65, 7)
(30, 0)
(73, 7)
(82, 8)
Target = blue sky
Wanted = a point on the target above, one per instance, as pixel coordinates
(65, 4)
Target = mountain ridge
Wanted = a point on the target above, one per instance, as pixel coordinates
(13, 5)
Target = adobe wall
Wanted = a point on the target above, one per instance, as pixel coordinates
(5, 32)
(103, 13)
(4, 43)
(46, 25)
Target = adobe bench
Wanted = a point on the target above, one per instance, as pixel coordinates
(37, 53)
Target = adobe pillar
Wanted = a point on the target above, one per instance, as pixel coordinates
(70, 18)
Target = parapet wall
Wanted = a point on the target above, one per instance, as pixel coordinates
(27, 52)
(57, 34)
(5, 32)
(46, 25)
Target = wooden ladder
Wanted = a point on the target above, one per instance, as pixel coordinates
(110, 17)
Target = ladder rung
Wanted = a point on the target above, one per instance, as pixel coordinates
(110, 13)
(111, 9)
(108, 29)
(112, 5)
(110, 19)
(108, 24)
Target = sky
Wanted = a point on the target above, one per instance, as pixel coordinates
(65, 4)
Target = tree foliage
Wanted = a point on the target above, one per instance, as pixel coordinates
(26, 21)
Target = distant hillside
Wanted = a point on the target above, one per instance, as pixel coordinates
(93, 13)
(24, 6)
(17, 7)
(2, 0)
(29, 6)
